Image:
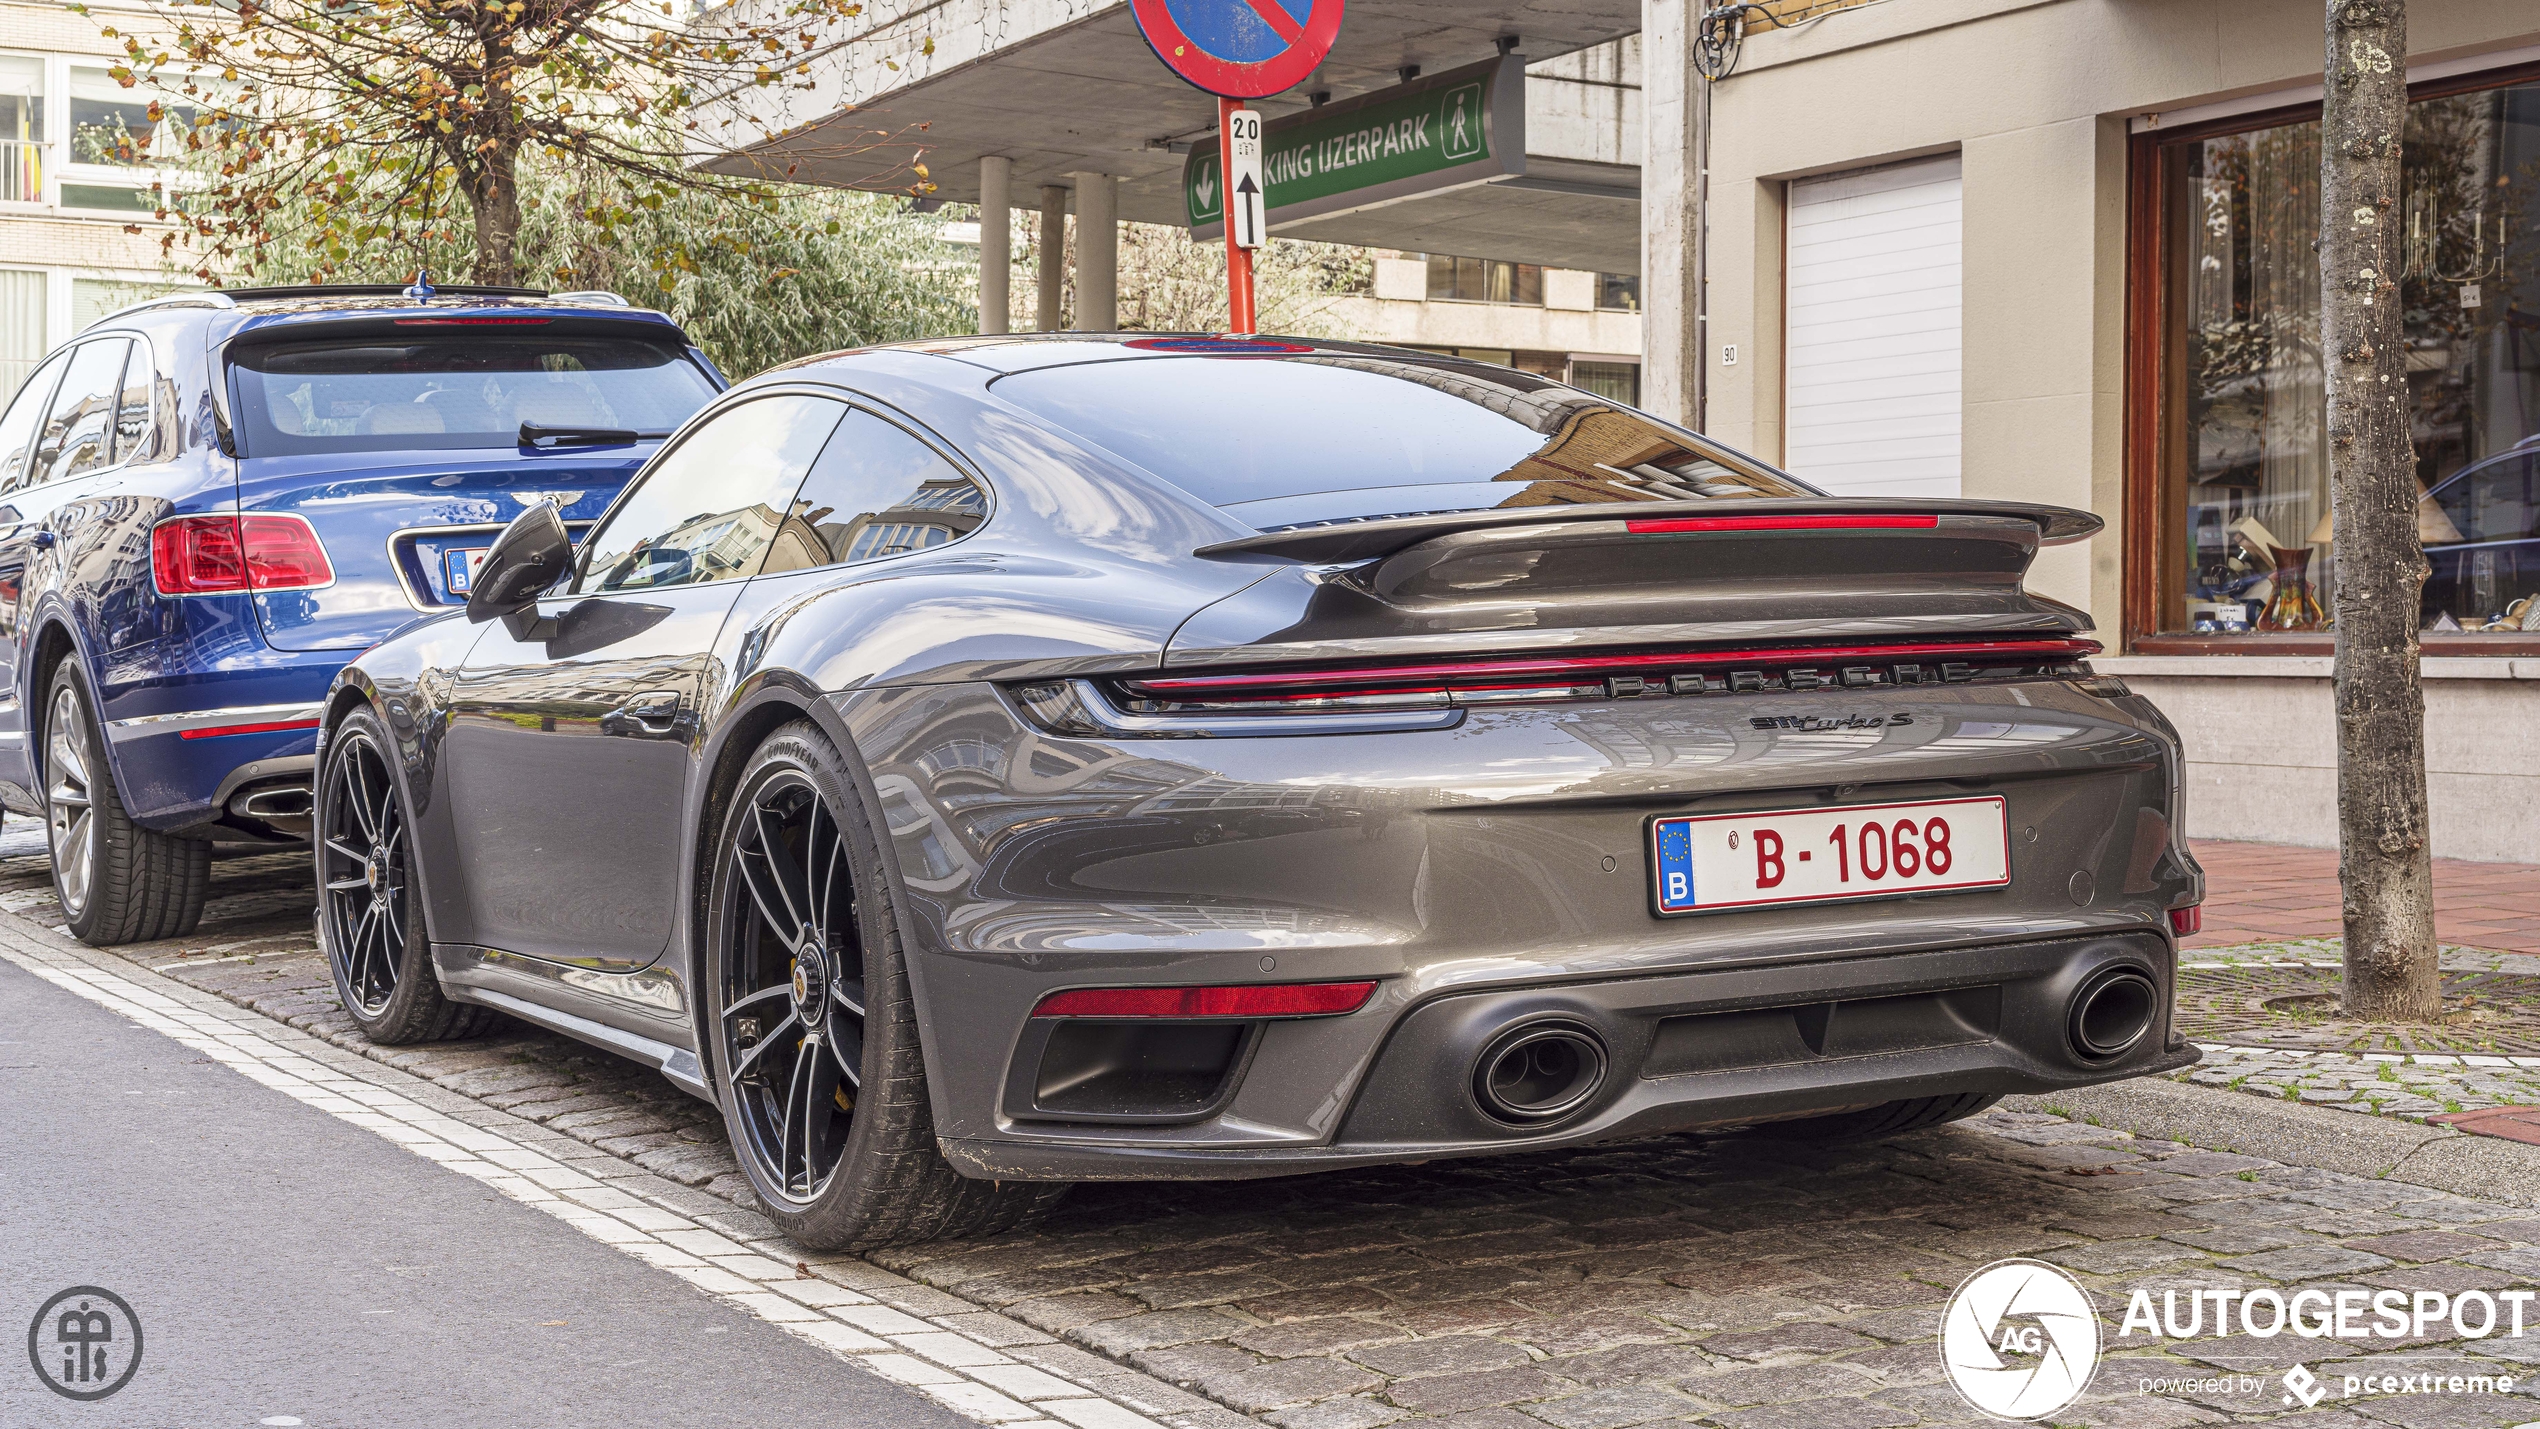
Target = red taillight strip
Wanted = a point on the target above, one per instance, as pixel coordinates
(268, 727)
(1578, 664)
(472, 322)
(1678, 525)
(1300, 999)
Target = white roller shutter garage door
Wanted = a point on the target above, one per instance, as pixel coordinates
(1871, 347)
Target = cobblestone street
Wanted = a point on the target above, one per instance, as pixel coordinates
(1737, 1281)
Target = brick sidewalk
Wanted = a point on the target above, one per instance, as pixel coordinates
(2270, 892)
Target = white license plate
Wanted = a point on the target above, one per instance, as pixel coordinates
(458, 568)
(1754, 860)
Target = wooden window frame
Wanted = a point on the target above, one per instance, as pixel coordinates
(2148, 542)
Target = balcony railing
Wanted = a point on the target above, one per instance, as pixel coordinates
(21, 171)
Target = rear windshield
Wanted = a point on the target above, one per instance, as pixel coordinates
(1294, 441)
(368, 394)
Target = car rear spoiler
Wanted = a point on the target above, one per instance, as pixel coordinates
(1350, 542)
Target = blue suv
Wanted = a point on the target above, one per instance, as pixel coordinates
(211, 503)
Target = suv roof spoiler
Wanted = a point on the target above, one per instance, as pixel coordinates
(1349, 542)
(373, 290)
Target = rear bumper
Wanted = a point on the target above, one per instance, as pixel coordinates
(1702, 1049)
(180, 770)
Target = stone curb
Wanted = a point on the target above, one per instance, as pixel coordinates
(2437, 1158)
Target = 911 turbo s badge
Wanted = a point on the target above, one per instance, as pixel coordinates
(1819, 722)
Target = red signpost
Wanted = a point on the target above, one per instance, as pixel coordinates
(1239, 50)
(1240, 314)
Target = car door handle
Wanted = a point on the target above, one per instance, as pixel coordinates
(659, 714)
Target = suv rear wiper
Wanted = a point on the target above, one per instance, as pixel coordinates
(532, 433)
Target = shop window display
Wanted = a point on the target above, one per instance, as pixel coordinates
(2249, 547)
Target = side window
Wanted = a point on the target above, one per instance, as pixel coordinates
(26, 413)
(876, 491)
(136, 424)
(79, 432)
(707, 510)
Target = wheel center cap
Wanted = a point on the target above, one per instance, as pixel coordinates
(811, 985)
(375, 873)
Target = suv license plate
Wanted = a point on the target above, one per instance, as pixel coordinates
(458, 569)
(1772, 856)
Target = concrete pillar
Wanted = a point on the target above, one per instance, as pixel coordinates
(1097, 253)
(996, 245)
(1675, 104)
(1053, 278)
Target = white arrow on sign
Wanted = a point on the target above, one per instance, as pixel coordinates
(1247, 210)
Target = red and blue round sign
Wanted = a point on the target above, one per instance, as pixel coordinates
(1240, 49)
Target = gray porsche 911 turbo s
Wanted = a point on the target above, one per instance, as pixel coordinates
(985, 764)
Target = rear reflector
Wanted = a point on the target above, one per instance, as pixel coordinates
(1301, 999)
(2187, 922)
(1680, 525)
(230, 553)
(268, 727)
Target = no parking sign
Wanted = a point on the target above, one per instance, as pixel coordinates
(1240, 49)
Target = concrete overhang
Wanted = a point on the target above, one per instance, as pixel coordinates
(1063, 87)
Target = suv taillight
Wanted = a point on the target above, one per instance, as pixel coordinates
(229, 553)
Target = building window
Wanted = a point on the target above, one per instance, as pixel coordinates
(2230, 432)
(22, 303)
(21, 129)
(1484, 280)
(113, 125)
(1618, 292)
(1613, 381)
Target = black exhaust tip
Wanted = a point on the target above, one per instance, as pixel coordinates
(1540, 1072)
(2112, 1012)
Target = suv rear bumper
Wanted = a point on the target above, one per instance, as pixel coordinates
(1705, 1049)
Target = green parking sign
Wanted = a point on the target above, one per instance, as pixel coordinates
(1465, 126)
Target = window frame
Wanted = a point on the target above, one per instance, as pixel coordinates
(943, 452)
(2153, 374)
(704, 417)
(114, 404)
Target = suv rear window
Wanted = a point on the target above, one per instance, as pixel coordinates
(1353, 436)
(359, 394)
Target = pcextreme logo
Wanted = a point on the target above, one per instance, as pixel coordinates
(2019, 1339)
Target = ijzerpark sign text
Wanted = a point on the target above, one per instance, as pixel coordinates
(1464, 126)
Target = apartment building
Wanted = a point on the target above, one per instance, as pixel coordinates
(76, 172)
(1578, 326)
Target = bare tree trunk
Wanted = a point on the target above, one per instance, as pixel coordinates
(493, 194)
(2383, 861)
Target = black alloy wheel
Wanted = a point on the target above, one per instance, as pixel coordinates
(362, 874)
(369, 912)
(793, 988)
(809, 1030)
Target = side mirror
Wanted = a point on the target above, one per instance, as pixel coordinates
(524, 561)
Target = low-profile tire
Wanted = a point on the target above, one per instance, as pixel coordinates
(811, 1032)
(118, 882)
(1875, 1123)
(370, 909)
